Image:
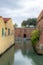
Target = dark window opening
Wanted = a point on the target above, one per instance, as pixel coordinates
(8, 31)
(24, 35)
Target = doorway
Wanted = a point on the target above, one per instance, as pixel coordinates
(24, 36)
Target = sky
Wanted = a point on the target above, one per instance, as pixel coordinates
(20, 10)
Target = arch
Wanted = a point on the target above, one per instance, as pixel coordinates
(24, 35)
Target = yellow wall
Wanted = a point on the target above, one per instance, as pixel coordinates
(8, 40)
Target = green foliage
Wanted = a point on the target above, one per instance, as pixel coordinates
(35, 36)
(15, 25)
(23, 24)
(30, 21)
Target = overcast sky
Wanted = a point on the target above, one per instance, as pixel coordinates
(20, 10)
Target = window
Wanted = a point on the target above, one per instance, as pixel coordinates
(2, 31)
(12, 32)
(6, 28)
(8, 31)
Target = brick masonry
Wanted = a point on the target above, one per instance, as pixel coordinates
(23, 32)
(40, 26)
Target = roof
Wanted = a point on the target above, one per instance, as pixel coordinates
(0, 16)
(6, 19)
(40, 16)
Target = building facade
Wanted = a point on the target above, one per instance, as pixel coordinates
(6, 34)
(23, 33)
(40, 27)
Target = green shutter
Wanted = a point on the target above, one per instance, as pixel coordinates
(2, 31)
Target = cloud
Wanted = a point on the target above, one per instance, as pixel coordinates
(19, 10)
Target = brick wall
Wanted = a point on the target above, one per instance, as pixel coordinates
(21, 32)
(40, 26)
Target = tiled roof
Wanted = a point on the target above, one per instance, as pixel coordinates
(6, 19)
(0, 16)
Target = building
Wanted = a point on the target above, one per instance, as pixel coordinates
(23, 33)
(40, 27)
(6, 34)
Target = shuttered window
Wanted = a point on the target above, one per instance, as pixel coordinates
(2, 31)
(8, 31)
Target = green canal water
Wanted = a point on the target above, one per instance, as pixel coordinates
(21, 57)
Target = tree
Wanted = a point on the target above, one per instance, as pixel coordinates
(28, 22)
(35, 35)
(15, 25)
(23, 24)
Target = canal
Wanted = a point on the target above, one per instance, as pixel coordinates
(21, 56)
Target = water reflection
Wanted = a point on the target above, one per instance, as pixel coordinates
(8, 57)
(22, 60)
(37, 59)
(27, 56)
(22, 56)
